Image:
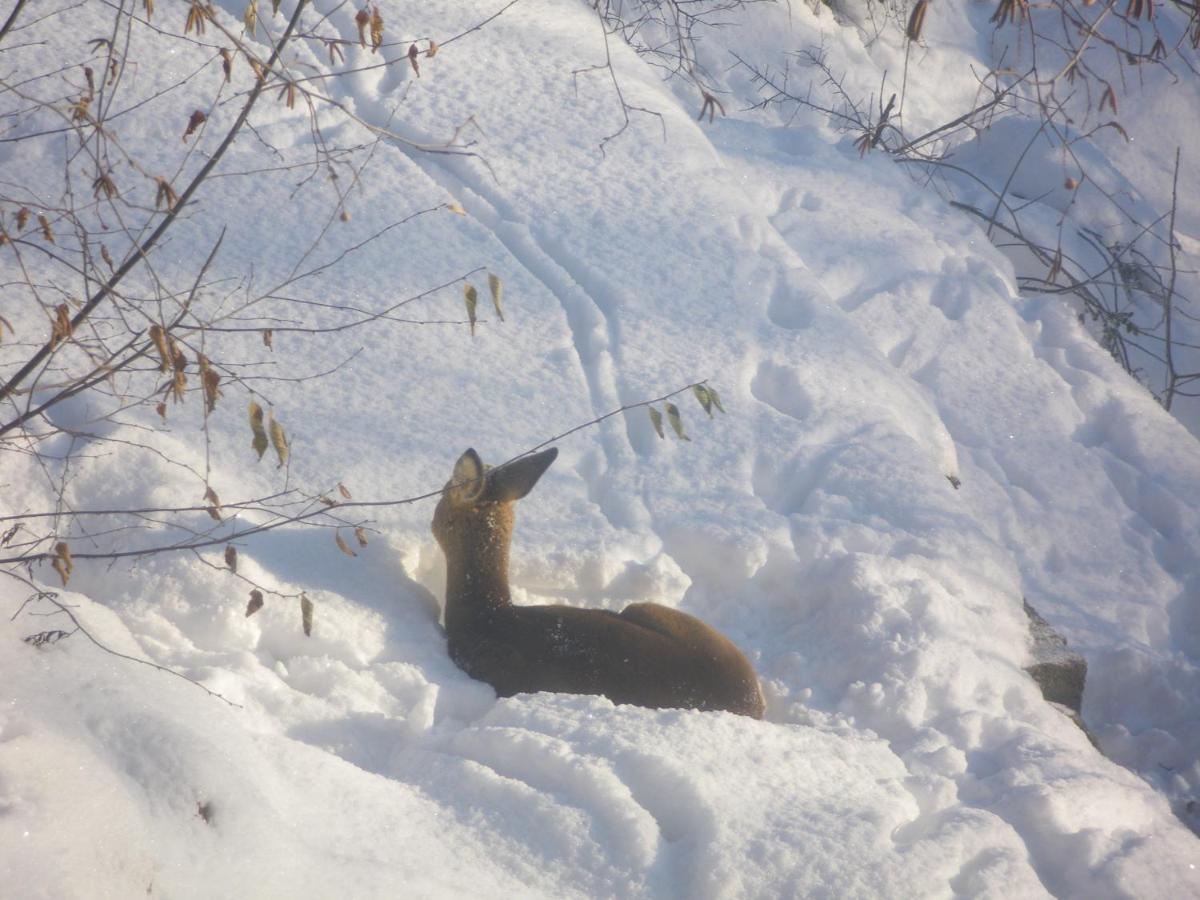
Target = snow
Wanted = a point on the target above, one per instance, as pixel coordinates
(868, 343)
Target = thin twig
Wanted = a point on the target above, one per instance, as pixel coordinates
(323, 509)
(140, 254)
(52, 598)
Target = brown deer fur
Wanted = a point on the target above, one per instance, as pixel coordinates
(647, 655)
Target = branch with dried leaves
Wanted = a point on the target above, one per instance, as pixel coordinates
(134, 259)
(1131, 288)
(320, 510)
(133, 338)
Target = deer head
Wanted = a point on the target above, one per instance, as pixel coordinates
(473, 524)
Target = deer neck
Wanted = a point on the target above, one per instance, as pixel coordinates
(477, 581)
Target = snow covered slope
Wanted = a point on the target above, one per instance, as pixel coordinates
(868, 344)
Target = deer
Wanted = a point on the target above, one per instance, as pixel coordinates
(647, 655)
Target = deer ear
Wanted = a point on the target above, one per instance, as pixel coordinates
(468, 482)
(515, 480)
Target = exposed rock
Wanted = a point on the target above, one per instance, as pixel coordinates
(1059, 672)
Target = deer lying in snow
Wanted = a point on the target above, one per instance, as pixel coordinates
(647, 655)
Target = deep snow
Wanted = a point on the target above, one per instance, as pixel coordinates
(867, 342)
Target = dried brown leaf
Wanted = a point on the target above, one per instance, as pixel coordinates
(62, 562)
(198, 14)
(413, 52)
(287, 93)
(1110, 97)
(61, 328)
(279, 440)
(1136, 7)
(231, 557)
(471, 296)
(103, 184)
(179, 385)
(1010, 11)
(376, 29)
(306, 614)
(165, 194)
(676, 421)
(497, 289)
(158, 336)
(81, 110)
(656, 421)
(360, 535)
(916, 21)
(211, 380)
(343, 546)
(214, 510)
(255, 604)
(260, 442)
(195, 120)
(362, 19)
